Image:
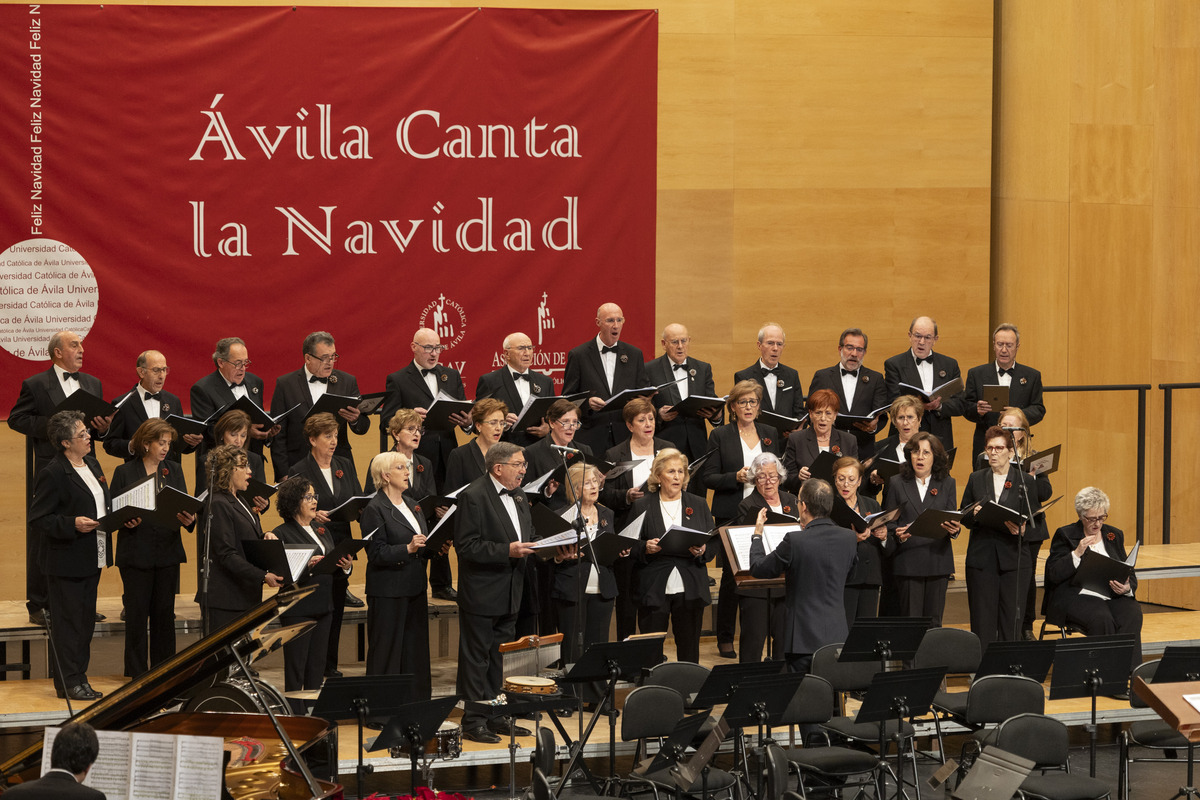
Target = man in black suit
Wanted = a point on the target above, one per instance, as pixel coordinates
(1024, 387)
(492, 535)
(40, 395)
(416, 387)
(691, 376)
(860, 389)
(231, 380)
(604, 366)
(815, 563)
(71, 757)
(919, 366)
(302, 389)
(513, 384)
(782, 393)
(148, 400)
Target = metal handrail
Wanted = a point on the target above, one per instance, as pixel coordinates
(1168, 388)
(1141, 389)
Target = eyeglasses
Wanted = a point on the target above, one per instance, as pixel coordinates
(747, 403)
(242, 465)
(678, 342)
(522, 348)
(520, 465)
(906, 417)
(569, 426)
(1004, 345)
(243, 364)
(854, 348)
(847, 479)
(405, 467)
(591, 483)
(412, 429)
(772, 343)
(430, 348)
(1100, 520)
(310, 496)
(762, 477)
(326, 359)
(922, 337)
(84, 435)
(158, 370)
(996, 448)
(493, 423)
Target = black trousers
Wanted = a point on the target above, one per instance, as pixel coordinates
(1031, 612)
(727, 604)
(1105, 617)
(72, 622)
(304, 656)
(924, 597)
(995, 600)
(760, 615)
(398, 639)
(341, 583)
(861, 601)
(685, 618)
(440, 574)
(149, 601)
(626, 605)
(597, 621)
(480, 665)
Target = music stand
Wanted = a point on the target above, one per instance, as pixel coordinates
(896, 695)
(997, 774)
(1178, 664)
(725, 678)
(609, 662)
(359, 697)
(1082, 666)
(671, 752)
(1168, 700)
(884, 638)
(762, 702)
(414, 724)
(1028, 659)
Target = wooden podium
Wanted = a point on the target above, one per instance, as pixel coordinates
(1167, 700)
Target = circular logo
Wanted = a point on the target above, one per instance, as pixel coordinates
(447, 319)
(45, 287)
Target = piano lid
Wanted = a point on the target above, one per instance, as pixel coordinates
(163, 685)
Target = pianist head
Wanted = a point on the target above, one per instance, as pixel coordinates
(75, 749)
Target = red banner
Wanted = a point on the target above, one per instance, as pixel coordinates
(175, 175)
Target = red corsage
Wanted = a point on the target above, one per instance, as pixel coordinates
(321, 531)
(165, 472)
(1008, 484)
(787, 509)
(416, 508)
(102, 478)
(687, 511)
(1110, 536)
(420, 467)
(837, 451)
(339, 474)
(933, 491)
(766, 441)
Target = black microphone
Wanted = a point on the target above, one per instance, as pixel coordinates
(564, 449)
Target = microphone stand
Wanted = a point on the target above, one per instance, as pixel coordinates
(206, 559)
(1020, 590)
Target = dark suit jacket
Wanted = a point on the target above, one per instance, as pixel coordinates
(501, 385)
(870, 394)
(406, 389)
(55, 786)
(721, 469)
(235, 584)
(868, 569)
(541, 459)
(656, 568)
(802, 450)
(149, 545)
(290, 444)
(815, 563)
(343, 489)
(489, 582)
(420, 480)
(464, 465)
(751, 505)
(992, 548)
(59, 496)
(391, 570)
(210, 394)
(129, 418)
(321, 600)
(789, 394)
(902, 368)
(40, 395)
(689, 435)
(585, 373)
(920, 557)
(1025, 393)
(614, 493)
(565, 580)
(1060, 567)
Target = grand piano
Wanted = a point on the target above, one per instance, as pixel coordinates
(269, 753)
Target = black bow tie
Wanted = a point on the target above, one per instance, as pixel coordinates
(604, 350)
(926, 360)
(853, 372)
(1004, 371)
(769, 370)
(520, 376)
(315, 379)
(155, 396)
(69, 375)
(235, 385)
(509, 492)
(682, 366)
(425, 372)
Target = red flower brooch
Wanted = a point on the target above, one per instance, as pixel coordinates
(416, 508)
(1110, 536)
(837, 451)
(766, 441)
(165, 472)
(420, 467)
(688, 511)
(787, 509)
(1008, 484)
(933, 491)
(102, 478)
(339, 474)
(321, 531)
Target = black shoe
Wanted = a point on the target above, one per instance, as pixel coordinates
(1120, 696)
(96, 692)
(481, 735)
(100, 617)
(712, 581)
(333, 673)
(445, 593)
(83, 692)
(352, 601)
(122, 615)
(563, 713)
(39, 618)
(505, 728)
(723, 653)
